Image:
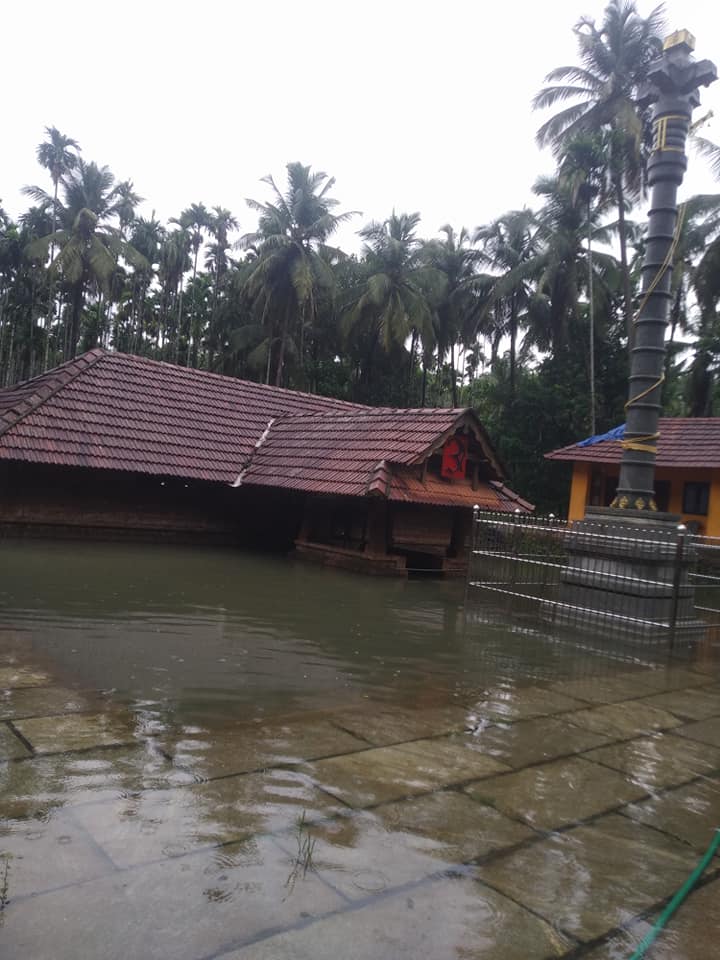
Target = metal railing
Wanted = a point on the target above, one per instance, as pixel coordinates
(656, 584)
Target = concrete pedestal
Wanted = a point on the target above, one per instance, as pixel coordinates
(628, 575)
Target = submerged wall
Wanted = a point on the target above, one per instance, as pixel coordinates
(40, 500)
(44, 500)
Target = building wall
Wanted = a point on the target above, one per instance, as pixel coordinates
(368, 532)
(676, 478)
(361, 533)
(44, 500)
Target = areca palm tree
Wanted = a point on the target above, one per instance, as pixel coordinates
(126, 201)
(604, 88)
(193, 220)
(146, 237)
(59, 155)
(173, 264)
(397, 300)
(221, 223)
(290, 272)
(584, 170)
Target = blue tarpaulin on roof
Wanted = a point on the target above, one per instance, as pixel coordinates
(617, 433)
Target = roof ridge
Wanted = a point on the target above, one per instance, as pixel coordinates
(54, 381)
(363, 411)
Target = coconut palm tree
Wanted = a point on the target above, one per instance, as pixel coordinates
(458, 311)
(289, 272)
(709, 150)
(88, 246)
(509, 248)
(562, 265)
(700, 234)
(604, 88)
(397, 300)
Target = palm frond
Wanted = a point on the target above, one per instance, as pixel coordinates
(709, 150)
(38, 195)
(576, 75)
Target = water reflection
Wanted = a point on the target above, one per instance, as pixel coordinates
(210, 753)
(215, 630)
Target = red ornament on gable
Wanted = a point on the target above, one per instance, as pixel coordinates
(454, 459)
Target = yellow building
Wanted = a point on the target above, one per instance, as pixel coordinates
(687, 480)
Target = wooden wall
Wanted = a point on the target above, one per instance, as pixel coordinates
(43, 500)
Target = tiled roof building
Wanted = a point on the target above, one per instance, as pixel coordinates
(687, 479)
(683, 442)
(125, 423)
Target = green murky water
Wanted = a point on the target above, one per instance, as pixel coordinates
(206, 753)
(215, 630)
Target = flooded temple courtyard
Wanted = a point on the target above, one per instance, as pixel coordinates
(211, 754)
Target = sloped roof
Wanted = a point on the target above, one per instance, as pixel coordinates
(343, 453)
(683, 442)
(407, 486)
(120, 412)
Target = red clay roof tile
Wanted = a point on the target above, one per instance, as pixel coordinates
(119, 412)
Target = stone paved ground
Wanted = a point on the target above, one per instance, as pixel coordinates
(546, 821)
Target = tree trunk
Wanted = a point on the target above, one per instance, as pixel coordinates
(622, 235)
(411, 366)
(269, 359)
(31, 359)
(513, 338)
(179, 321)
(8, 373)
(453, 377)
(281, 353)
(191, 356)
(78, 294)
(591, 319)
(51, 291)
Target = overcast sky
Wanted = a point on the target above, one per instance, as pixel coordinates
(410, 105)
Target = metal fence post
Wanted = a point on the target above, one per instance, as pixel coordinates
(472, 561)
(677, 578)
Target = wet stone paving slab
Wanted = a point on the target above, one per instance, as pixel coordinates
(528, 822)
(557, 794)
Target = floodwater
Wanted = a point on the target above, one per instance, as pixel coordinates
(209, 753)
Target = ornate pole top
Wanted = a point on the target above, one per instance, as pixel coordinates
(683, 37)
(675, 72)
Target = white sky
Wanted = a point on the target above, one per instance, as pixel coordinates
(410, 104)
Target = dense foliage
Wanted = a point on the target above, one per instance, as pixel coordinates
(501, 316)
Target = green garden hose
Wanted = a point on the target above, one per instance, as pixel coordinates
(684, 890)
